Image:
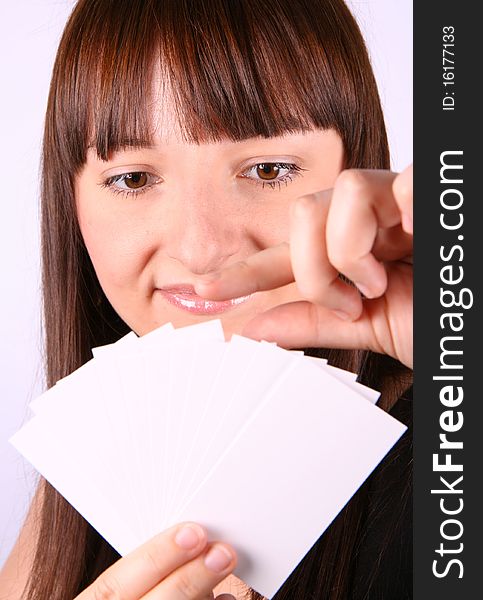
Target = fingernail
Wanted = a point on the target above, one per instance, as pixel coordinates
(342, 315)
(218, 559)
(189, 536)
(407, 223)
(364, 289)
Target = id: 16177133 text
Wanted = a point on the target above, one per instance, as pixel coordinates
(448, 68)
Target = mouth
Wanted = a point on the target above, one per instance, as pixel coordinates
(184, 297)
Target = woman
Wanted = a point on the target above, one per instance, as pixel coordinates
(222, 158)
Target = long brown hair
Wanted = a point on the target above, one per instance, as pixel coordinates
(236, 69)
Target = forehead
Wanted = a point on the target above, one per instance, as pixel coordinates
(165, 115)
(197, 119)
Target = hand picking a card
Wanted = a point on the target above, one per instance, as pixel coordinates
(261, 445)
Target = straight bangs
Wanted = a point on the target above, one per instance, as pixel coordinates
(231, 69)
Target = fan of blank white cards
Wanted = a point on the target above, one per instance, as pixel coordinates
(261, 445)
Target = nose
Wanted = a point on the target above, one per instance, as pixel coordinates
(203, 230)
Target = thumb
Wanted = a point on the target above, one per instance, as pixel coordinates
(306, 325)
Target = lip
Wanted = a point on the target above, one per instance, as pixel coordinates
(183, 296)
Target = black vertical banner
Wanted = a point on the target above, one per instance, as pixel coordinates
(448, 326)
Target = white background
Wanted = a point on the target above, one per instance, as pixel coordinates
(31, 30)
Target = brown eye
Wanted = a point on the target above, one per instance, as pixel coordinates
(272, 174)
(132, 183)
(135, 181)
(268, 171)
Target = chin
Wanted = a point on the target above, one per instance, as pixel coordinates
(231, 325)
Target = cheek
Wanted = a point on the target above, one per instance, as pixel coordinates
(118, 248)
(270, 227)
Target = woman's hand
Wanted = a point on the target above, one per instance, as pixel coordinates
(362, 228)
(178, 564)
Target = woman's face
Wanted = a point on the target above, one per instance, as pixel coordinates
(155, 219)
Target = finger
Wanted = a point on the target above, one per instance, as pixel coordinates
(305, 325)
(265, 270)
(196, 579)
(317, 280)
(393, 244)
(362, 202)
(403, 194)
(138, 572)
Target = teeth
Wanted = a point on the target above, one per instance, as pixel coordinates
(240, 299)
(207, 304)
(194, 303)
